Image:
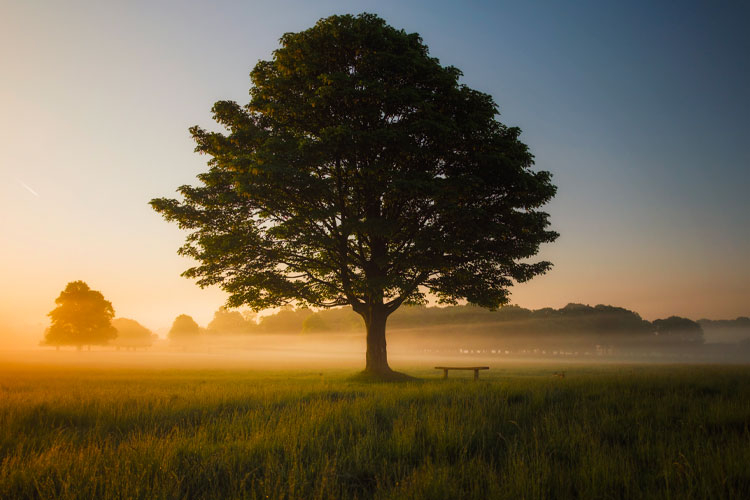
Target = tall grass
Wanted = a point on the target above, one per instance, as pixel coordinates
(600, 432)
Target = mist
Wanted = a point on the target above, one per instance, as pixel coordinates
(408, 349)
(418, 337)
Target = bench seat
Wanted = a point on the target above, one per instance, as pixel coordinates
(475, 368)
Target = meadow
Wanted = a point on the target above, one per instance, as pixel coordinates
(602, 431)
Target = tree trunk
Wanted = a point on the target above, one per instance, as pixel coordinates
(377, 355)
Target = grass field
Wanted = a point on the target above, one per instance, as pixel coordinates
(600, 432)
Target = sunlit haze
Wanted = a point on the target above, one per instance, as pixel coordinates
(641, 112)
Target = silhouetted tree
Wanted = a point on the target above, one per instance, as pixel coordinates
(362, 173)
(82, 317)
(677, 329)
(336, 320)
(131, 334)
(315, 323)
(229, 323)
(184, 328)
(287, 320)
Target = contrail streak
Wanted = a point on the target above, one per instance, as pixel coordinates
(28, 188)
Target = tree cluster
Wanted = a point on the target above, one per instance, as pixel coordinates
(604, 323)
(83, 317)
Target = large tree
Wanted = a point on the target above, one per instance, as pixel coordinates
(82, 317)
(362, 173)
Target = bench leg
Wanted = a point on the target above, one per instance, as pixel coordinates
(445, 373)
(476, 374)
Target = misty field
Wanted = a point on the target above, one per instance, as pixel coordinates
(519, 432)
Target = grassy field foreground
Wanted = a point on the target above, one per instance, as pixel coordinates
(600, 432)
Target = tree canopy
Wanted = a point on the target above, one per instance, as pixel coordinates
(184, 327)
(82, 317)
(131, 334)
(226, 322)
(362, 173)
(677, 329)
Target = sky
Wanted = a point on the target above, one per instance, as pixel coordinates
(641, 112)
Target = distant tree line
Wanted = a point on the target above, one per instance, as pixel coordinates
(574, 323)
(83, 317)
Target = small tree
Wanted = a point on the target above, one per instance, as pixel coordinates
(131, 334)
(184, 327)
(226, 322)
(286, 320)
(362, 173)
(678, 330)
(82, 317)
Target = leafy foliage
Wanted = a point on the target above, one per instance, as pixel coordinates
(82, 317)
(362, 173)
(287, 320)
(677, 329)
(184, 327)
(339, 319)
(130, 333)
(229, 322)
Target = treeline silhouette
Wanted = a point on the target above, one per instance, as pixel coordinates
(576, 327)
(83, 317)
(132, 335)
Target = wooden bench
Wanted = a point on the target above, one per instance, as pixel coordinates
(475, 368)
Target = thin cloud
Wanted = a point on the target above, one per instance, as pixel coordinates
(28, 188)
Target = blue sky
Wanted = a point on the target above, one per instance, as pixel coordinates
(640, 109)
